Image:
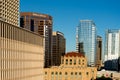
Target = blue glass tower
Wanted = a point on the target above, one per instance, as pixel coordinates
(86, 40)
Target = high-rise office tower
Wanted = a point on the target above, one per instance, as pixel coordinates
(41, 24)
(112, 48)
(58, 48)
(9, 11)
(99, 52)
(79, 46)
(87, 40)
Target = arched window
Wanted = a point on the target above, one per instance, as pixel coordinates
(52, 73)
(66, 73)
(75, 73)
(66, 61)
(70, 61)
(60, 73)
(71, 73)
(87, 73)
(56, 73)
(80, 73)
(79, 62)
(74, 61)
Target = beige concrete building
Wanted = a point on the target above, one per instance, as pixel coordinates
(9, 11)
(58, 47)
(73, 67)
(41, 24)
(21, 53)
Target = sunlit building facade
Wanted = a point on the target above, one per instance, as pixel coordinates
(9, 11)
(112, 49)
(86, 40)
(21, 53)
(58, 47)
(41, 24)
(73, 67)
(112, 44)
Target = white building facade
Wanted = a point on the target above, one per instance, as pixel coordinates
(112, 48)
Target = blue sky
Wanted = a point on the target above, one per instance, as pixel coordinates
(67, 14)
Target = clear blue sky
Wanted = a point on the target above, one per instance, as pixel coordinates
(67, 14)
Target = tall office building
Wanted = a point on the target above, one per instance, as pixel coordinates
(112, 44)
(86, 36)
(58, 48)
(9, 11)
(21, 53)
(99, 52)
(42, 24)
(112, 48)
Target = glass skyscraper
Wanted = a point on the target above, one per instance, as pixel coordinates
(86, 40)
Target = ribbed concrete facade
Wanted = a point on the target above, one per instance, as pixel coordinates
(21, 54)
(9, 11)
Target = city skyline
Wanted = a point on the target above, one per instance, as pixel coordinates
(105, 13)
(33, 47)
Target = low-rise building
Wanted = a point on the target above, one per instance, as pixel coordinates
(73, 67)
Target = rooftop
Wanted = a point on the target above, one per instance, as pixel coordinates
(74, 54)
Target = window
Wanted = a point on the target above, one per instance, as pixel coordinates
(60, 73)
(45, 73)
(71, 73)
(22, 22)
(70, 61)
(83, 60)
(79, 61)
(74, 62)
(66, 73)
(52, 73)
(32, 25)
(82, 63)
(75, 73)
(56, 73)
(66, 61)
(79, 73)
(87, 73)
